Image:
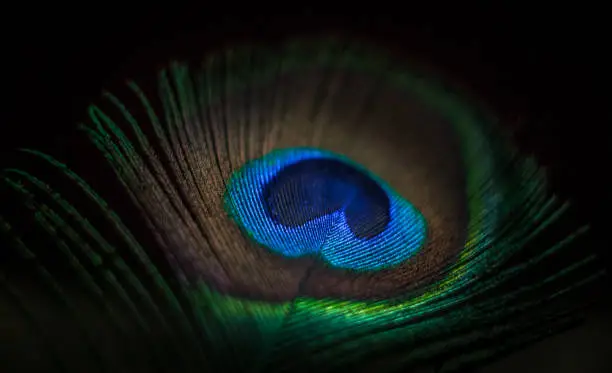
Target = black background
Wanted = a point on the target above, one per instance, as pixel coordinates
(545, 73)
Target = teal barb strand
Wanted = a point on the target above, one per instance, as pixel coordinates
(324, 206)
(315, 206)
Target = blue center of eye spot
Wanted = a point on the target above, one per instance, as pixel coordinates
(306, 201)
(310, 189)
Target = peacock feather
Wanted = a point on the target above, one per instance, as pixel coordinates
(313, 205)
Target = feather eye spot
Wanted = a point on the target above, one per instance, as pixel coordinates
(307, 201)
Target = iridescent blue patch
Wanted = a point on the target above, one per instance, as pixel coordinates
(306, 201)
